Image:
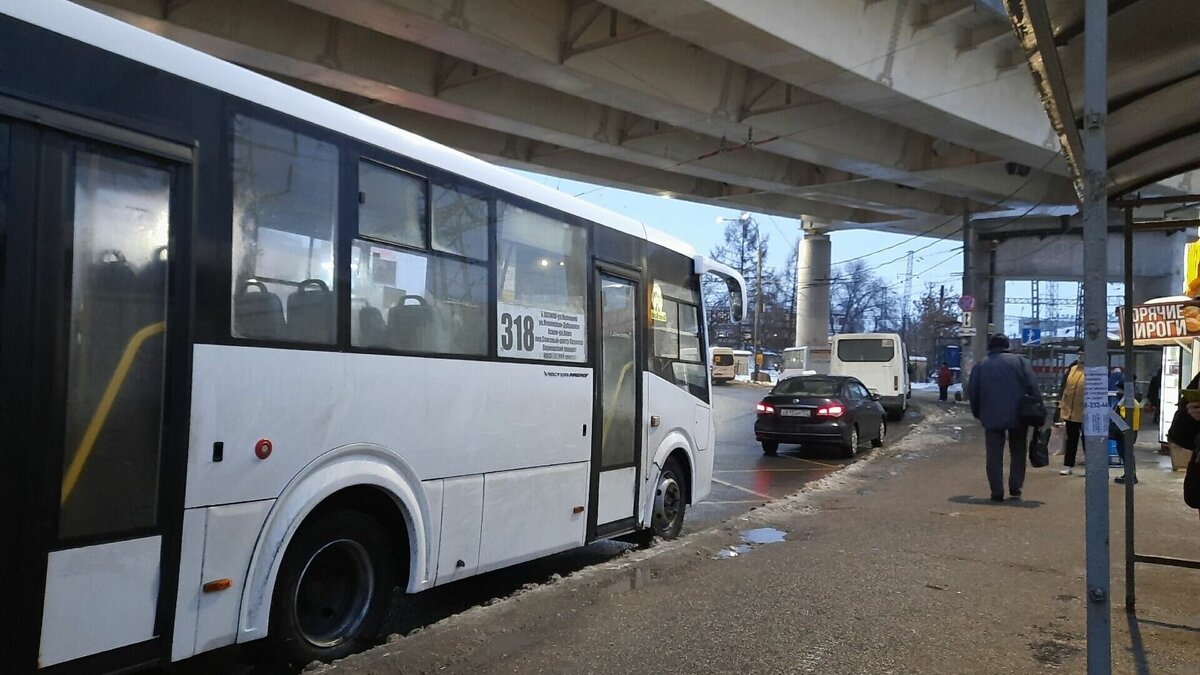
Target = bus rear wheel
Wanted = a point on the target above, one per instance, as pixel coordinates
(333, 589)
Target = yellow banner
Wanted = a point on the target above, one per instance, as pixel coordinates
(1192, 282)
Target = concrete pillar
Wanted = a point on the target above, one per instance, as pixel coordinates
(977, 280)
(813, 274)
(998, 291)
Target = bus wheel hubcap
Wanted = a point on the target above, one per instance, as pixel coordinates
(667, 499)
(334, 593)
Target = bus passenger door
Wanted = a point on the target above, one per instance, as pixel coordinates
(616, 439)
(88, 354)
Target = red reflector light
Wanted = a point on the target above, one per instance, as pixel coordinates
(835, 410)
(765, 409)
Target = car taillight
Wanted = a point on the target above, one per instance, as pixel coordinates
(896, 382)
(831, 410)
(765, 409)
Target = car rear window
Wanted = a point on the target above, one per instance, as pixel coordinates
(722, 359)
(867, 350)
(806, 386)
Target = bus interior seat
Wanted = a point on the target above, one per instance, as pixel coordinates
(152, 284)
(258, 313)
(409, 324)
(372, 330)
(109, 315)
(310, 312)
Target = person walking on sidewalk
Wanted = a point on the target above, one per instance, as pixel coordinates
(997, 385)
(1070, 409)
(944, 378)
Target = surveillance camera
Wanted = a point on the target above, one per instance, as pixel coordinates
(1016, 169)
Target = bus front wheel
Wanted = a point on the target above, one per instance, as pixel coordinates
(670, 502)
(333, 589)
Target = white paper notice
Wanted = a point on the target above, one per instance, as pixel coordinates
(532, 333)
(1095, 401)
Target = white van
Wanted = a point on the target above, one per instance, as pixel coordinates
(722, 365)
(878, 360)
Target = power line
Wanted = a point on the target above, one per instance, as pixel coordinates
(951, 219)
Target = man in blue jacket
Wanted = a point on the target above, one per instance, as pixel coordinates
(996, 387)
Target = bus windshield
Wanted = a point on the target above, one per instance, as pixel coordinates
(867, 350)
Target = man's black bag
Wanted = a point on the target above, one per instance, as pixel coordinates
(1031, 411)
(1039, 448)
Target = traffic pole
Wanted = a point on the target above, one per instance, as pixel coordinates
(1095, 347)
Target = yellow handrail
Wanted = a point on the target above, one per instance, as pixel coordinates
(71, 477)
(608, 411)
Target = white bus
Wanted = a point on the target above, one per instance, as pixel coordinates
(266, 358)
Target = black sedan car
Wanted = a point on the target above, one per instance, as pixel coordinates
(820, 409)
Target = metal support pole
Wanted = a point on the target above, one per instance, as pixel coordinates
(1130, 458)
(1095, 309)
(991, 286)
(758, 308)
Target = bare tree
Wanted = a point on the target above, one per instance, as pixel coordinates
(854, 298)
(739, 250)
(934, 316)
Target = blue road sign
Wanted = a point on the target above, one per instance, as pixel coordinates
(1031, 336)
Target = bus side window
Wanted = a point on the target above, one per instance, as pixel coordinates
(541, 274)
(284, 215)
(416, 302)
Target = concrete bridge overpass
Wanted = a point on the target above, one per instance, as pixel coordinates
(898, 115)
(891, 114)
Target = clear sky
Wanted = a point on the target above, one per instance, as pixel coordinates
(697, 224)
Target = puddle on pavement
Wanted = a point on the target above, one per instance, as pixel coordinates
(763, 535)
(632, 580)
(733, 551)
(752, 538)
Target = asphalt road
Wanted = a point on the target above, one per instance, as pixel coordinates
(743, 479)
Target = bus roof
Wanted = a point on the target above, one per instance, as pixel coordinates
(113, 35)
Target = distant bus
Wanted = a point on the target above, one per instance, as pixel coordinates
(266, 358)
(723, 370)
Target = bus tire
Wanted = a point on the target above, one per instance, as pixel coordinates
(333, 589)
(670, 501)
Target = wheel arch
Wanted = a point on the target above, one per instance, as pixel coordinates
(677, 445)
(351, 477)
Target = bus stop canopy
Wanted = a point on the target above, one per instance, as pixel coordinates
(1153, 124)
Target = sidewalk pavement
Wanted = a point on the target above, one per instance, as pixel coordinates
(898, 564)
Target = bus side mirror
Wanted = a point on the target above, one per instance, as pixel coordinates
(733, 280)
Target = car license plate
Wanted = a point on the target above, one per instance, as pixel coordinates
(795, 412)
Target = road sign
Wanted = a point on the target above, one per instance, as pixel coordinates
(1031, 336)
(967, 303)
(966, 320)
(966, 332)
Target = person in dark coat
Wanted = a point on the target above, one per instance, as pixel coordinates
(944, 378)
(997, 385)
(1185, 429)
(1154, 393)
